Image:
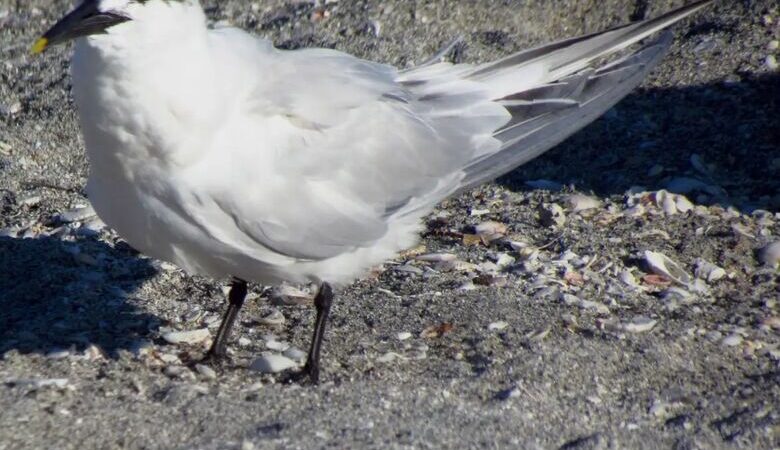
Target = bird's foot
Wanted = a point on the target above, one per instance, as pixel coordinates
(307, 376)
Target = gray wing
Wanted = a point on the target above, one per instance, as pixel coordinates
(354, 147)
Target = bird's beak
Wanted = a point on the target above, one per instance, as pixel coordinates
(85, 20)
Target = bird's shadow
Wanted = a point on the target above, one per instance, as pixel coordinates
(650, 137)
(59, 295)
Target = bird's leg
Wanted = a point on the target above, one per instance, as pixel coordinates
(322, 302)
(235, 302)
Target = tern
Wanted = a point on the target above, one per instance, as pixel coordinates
(213, 150)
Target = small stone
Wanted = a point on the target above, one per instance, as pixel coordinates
(187, 337)
(77, 214)
(275, 317)
(732, 340)
(272, 363)
(497, 326)
(295, 354)
(579, 202)
(275, 345)
(404, 335)
(244, 341)
(708, 271)
(659, 409)
(169, 358)
(551, 215)
(771, 62)
(30, 200)
(769, 255)
(206, 371)
(640, 325)
(174, 371)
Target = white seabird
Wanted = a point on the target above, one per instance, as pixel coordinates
(213, 150)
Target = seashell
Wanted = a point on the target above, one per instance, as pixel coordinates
(436, 257)
(708, 271)
(660, 264)
(490, 230)
(579, 202)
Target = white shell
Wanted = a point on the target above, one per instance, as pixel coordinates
(579, 202)
(272, 363)
(187, 337)
(660, 264)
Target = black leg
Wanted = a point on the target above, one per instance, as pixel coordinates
(235, 302)
(322, 302)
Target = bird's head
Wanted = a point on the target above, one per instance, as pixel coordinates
(92, 17)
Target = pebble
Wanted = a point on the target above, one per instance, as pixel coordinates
(580, 202)
(404, 335)
(30, 200)
(275, 317)
(732, 340)
(771, 62)
(551, 215)
(640, 325)
(295, 354)
(497, 326)
(272, 363)
(206, 371)
(244, 341)
(661, 264)
(187, 337)
(708, 271)
(275, 345)
(77, 214)
(769, 255)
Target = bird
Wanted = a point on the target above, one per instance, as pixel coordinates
(213, 150)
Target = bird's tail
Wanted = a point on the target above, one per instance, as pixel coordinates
(552, 91)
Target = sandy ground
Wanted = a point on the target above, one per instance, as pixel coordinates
(553, 335)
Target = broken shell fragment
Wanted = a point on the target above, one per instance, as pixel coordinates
(660, 264)
(708, 271)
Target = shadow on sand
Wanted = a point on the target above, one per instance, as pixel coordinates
(733, 128)
(51, 298)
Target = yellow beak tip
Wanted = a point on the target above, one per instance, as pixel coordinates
(39, 46)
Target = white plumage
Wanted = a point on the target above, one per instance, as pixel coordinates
(213, 150)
